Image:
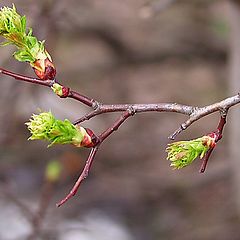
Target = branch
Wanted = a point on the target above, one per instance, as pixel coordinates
(138, 108)
(93, 152)
(49, 83)
(193, 113)
(116, 125)
(82, 176)
(199, 113)
(217, 136)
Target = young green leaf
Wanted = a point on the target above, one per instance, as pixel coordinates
(45, 126)
(30, 49)
(183, 153)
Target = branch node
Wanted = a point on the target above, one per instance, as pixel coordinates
(173, 136)
(131, 110)
(96, 105)
(223, 112)
(194, 111)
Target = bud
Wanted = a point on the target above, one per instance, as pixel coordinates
(89, 139)
(30, 49)
(44, 69)
(60, 90)
(183, 153)
(45, 126)
(40, 125)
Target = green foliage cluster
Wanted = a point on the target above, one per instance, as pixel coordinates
(183, 153)
(13, 29)
(45, 126)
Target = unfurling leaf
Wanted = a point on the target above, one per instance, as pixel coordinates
(30, 49)
(45, 126)
(183, 153)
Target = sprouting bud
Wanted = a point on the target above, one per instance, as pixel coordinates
(89, 139)
(44, 69)
(60, 90)
(183, 153)
(30, 49)
(45, 126)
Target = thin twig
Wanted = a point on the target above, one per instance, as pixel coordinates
(199, 113)
(116, 124)
(83, 99)
(82, 176)
(217, 136)
(87, 116)
(93, 152)
(48, 83)
(205, 160)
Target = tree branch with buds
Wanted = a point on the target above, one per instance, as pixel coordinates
(45, 126)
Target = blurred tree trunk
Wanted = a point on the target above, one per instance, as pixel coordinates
(234, 87)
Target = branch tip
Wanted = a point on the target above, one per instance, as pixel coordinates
(82, 176)
(178, 131)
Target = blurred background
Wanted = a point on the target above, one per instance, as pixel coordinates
(129, 51)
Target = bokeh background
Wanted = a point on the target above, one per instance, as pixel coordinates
(128, 51)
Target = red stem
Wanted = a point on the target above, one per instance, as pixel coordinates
(217, 135)
(82, 176)
(92, 154)
(83, 99)
(20, 77)
(205, 160)
(116, 125)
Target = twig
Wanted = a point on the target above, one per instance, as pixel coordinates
(48, 83)
(82, 176)
(116, 124)
(83, 99)
(217, 135)
(138, 108)
(93, 152)
(199, 113)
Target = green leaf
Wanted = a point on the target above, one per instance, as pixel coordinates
(23, 56)
(13, 29)
(23, 24)
(183, 153)
(46, 127)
